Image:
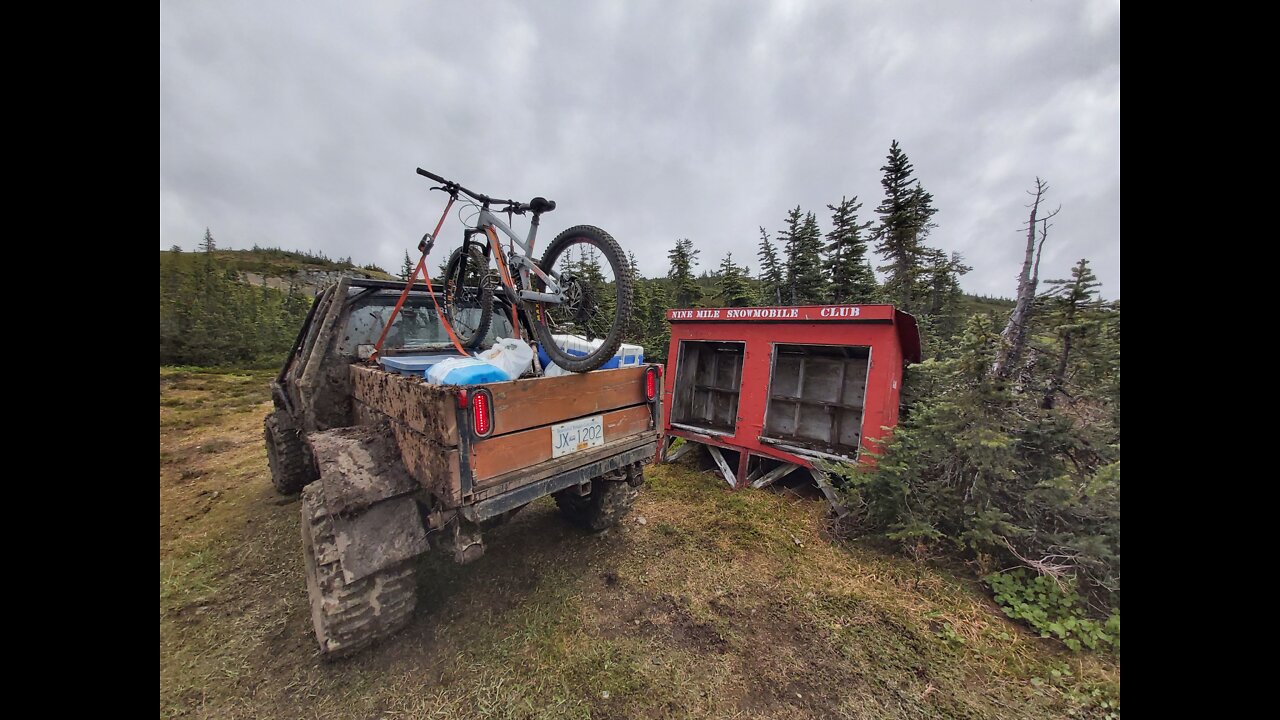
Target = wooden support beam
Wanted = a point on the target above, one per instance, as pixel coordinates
(824, 484)
(724, 466)
(774, 475)
(673, 455)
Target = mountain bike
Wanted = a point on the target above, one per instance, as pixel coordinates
(576, 300)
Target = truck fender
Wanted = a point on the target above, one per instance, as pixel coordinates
(369, 494)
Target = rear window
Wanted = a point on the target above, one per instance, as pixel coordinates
(417, 324)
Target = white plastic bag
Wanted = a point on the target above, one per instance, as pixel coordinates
(554, 370)
(513, 355)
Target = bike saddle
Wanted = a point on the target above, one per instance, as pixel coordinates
(541, 205)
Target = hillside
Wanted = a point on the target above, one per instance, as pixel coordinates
(983, 305)
(704, 603)
(279, 268)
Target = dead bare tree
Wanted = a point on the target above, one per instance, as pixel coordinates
(1015, 332)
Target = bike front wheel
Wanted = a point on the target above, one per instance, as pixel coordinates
(584, 331)
(468, 296)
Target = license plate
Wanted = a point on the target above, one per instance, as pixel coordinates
(577, 435)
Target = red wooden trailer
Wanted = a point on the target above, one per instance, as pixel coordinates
(779, 387)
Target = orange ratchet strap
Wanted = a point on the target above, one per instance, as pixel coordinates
(422, 267)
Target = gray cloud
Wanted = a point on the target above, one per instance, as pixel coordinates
(300, 125)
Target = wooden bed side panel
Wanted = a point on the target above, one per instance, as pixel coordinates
(428, 409)
(435, 467)
(496, 456)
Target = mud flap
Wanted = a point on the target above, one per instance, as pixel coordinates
(368, 492)
(360, 466)
(385, 535)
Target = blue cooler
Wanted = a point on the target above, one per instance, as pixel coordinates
(627, 355)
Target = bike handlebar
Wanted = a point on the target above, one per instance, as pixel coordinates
(433, 176)
(538, 205)
(452, 187)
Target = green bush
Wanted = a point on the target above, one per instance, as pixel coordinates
(980, 467)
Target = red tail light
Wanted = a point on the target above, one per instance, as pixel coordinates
(482, 412)
(651, 384)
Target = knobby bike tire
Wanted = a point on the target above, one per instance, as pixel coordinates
(459, 296)
(545, 316)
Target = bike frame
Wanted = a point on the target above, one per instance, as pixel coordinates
(486, 224)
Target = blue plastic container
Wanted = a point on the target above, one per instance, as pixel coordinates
(627, 355)
(413, 364)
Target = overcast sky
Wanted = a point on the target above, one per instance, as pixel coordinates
(300, 124)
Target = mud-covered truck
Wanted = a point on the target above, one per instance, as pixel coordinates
(390, 466)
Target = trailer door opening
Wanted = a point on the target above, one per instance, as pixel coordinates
(707, 386)
(816, 397)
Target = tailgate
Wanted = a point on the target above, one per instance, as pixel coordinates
(547, 426)
(434, 426)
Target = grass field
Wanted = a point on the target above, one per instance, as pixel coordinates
(703, 603)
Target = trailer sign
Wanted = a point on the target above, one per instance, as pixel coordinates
(802, 313)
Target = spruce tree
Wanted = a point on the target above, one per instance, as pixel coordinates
(684, 289)
(1073, 314)
(407, 268)
(657, 336)
(636, 324)
(735, 291)
(590, 270)
(905, 217)
(809, 283)
(790, 237)
(852, 280)
(942, 279)
(772, 276)
(634, 266)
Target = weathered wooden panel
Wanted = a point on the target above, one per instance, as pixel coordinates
(816, 396)
(518, 405)
(512, 480)
(424, 420)
(523, 404)
(365, 415)
(428, 409)
(498, 455)
(434, 466)
(707, 390)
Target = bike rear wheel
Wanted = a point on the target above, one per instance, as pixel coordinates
(468, 296)
(596, 280)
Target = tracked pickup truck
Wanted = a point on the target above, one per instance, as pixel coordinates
(390, 466)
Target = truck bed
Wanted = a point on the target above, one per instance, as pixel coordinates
(444, 455)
